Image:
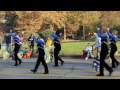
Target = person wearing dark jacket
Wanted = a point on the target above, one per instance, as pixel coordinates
(31, 43)
(0, 42)
(16, 39)
(41, 45)
(7, 39)
(104, 52)
(57, 49)
(113, 46)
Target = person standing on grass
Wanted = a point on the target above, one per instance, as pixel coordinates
(49, 42)
(98, 45)
(31, 43)
(21, 41)
(49, 49)
(41, 45)
(113, 46)
(7, 39)
(57, 48)
(104, 52)
(0, 42)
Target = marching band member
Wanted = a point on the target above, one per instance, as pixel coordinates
(16, 39)
(113, 46)
(104, 52)
(41, 45)
(57, 48)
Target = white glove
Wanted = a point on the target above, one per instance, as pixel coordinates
(108, 29)
(98, 28)
(60, 34)
(10, 30)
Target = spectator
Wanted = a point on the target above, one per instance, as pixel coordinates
(49, 50)
(7, 39)
(88, 50)
(49, 42)
(21, 41)
(31, 43)
(98, 45)
(0, 42)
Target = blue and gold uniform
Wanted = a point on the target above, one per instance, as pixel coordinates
(57, 49)
(103, 53)
(113, 46)
(16, 39)
(41, 45)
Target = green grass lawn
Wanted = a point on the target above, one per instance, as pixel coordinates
(75, 48)
(68, 48)
(72, 48)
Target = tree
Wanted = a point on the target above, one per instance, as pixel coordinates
(11, 20)
(2, 16)
(38, 21)
(29, 21)
(84, 18)
(2, 21)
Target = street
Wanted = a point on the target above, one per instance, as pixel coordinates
(72, 69)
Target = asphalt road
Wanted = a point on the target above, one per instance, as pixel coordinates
(72, 69)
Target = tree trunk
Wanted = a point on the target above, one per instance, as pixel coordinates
(100, 22)
(64, 33)
(83, 32)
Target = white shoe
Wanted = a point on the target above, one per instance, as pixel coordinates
(86, 58)
(92, 56)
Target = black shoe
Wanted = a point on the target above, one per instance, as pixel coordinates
(62, 63)
(117, 65)
(13, 59)
(55, 66)
(113, 67)
(15, 64)
(20, 62)
(100, 75)
(33, 71)
(46, 73)
(110, 73)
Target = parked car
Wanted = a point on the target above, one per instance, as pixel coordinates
(77, 37)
